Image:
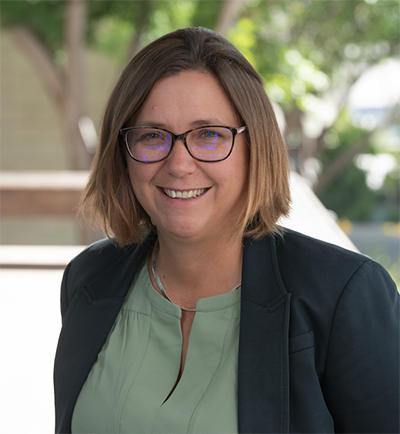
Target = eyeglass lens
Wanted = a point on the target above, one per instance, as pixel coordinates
(207, 144)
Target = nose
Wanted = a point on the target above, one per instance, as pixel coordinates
(180, 162)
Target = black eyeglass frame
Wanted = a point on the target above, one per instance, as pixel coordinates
(235, 131)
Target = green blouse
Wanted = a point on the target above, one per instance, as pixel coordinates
(127, 389)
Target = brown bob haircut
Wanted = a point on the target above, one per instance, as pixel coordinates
(108, 199)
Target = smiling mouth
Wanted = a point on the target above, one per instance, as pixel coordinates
(188, 194)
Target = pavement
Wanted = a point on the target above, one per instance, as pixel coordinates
(30, 323)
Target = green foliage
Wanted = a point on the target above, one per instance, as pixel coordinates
(206, 13)
(113, 24)
(301, 46)
(342, 134)
(325, 33)
(388, 199)
(349, 196)
(304, 49)
(243, 36)
(45, 17)
(113, 35)
(379, 241)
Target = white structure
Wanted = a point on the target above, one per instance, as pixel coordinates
(310, 217)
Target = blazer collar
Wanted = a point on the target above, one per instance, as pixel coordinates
(261, 276)
(263, 342)
(263, 372)
(86, 324)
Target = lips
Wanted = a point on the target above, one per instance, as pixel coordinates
(187, 194)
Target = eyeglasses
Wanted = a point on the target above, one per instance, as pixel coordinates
(209, 143)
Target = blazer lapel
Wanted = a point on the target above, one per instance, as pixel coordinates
(263, 378)
(263, 374)
(92, 313)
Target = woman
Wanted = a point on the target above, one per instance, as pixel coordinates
(200, 314)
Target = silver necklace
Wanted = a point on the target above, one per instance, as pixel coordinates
(161, 287)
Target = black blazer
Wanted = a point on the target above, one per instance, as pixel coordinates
(319, 334)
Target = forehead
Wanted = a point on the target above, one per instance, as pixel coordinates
(192, 98)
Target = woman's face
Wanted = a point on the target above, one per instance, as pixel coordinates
(179, 103)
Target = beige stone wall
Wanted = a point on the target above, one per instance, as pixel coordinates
(29, 135)
(30, 138)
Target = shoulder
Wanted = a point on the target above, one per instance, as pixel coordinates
(102, 264)
(304, 259)
(306, 249)
(98, 257)
(309, 269)
(329, 284)
(323, 279)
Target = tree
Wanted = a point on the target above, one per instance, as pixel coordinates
(310, 54)
(65, 85)
(46, 29)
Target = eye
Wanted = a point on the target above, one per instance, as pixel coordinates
(218, 134)
(152, 135)
(208, 134)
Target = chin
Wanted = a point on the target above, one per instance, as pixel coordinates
(183, 230)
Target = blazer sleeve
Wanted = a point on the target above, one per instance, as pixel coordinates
(361, 381)
(64, 301)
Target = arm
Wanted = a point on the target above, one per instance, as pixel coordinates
(361, 384)
(64, 293)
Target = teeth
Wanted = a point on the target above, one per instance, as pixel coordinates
(184, 194)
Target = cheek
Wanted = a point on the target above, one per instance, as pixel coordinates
(141, 176)
(137, 173)
(137, 178)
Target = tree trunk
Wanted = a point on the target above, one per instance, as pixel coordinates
(341, 162)
(141, 27)
(73, 102)
(65, 87)
(228, 15)
(41, 59)
(294, 138)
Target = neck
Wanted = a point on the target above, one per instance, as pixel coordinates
(191, 271)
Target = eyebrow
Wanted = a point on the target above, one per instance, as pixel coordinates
(197, 123)
(203, 122)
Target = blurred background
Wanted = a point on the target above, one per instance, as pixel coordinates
(331, 68)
